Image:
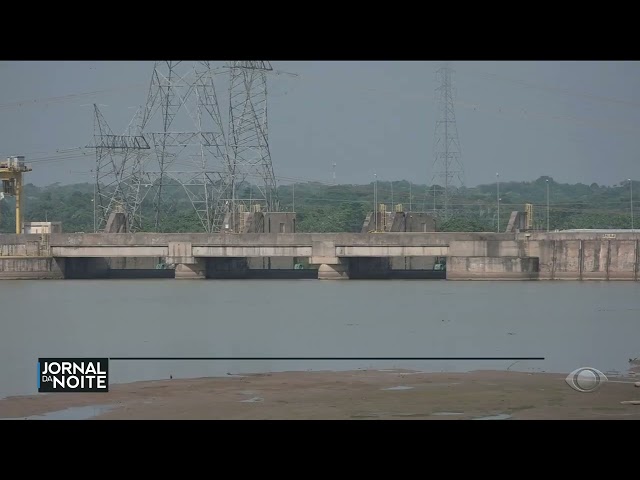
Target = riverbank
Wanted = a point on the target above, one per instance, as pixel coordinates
(362, 394)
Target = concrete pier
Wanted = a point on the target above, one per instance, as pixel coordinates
(492, 268)
(337, 271)
(31, 268)
(191, 271)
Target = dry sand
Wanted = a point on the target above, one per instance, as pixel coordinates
(365, 394)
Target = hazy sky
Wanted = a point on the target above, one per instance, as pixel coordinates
(573, 121)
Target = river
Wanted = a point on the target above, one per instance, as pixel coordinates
(570, 324)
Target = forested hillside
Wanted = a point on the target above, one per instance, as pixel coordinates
(343, 208)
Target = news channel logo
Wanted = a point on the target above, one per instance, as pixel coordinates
(586, 379)
(65, 375)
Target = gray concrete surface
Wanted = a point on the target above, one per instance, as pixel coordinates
(558, 255)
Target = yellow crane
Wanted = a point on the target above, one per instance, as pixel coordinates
(11, 173)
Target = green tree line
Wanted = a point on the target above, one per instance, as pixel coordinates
(343, 208)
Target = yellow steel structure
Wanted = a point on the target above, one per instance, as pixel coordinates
(11, 174)
(529, 210)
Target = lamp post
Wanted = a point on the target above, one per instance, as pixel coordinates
(392, 196)
(93, 200)
(631, 203)
(1, 198)
(375, 199)
(434, 200)
(547, 205)
(410, 209)
(498, 198)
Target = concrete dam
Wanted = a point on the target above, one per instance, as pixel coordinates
(325, 256)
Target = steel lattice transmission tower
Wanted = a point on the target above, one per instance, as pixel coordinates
(180, 140)
(228, 160)
(183, 125)
(447, 171)
(118, 174)
(248, 154)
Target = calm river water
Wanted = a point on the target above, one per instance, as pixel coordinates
(570, 324)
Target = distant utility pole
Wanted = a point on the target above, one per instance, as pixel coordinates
(631, 202)
(375, 199)
(498, 197)
(94, 208)
(392, 204)
(410, 209)
(434, 199)
(547, 205)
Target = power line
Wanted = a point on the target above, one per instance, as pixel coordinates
(65, 98)
(560, 90)
(504, 109)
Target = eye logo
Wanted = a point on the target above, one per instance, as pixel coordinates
(586, 379)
